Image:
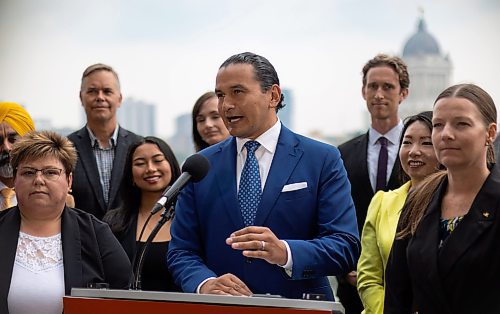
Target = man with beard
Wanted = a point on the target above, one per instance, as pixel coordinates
(14, 123)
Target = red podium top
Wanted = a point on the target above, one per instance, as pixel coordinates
(129, 301)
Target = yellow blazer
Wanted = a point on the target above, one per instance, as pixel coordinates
(376, 242)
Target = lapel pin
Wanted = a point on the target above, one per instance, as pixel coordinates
(486, 214)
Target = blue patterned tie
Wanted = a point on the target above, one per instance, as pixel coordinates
(250, 188)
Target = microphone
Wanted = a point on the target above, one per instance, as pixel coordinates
(194, 169)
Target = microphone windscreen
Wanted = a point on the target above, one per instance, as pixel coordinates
(197, 166)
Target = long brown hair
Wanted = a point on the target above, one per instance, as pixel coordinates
(199, 143)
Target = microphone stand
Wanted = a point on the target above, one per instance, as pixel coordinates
(167, 215)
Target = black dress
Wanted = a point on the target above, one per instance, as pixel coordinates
(155, 274)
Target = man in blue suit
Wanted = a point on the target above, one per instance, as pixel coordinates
(303, 227)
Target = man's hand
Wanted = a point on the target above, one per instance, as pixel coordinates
(227, 284)
(259, 242)
(352, 278)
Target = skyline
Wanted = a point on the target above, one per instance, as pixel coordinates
(168, 52)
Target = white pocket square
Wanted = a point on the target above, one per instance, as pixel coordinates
(294, 186)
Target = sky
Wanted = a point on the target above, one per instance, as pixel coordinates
(168, 52)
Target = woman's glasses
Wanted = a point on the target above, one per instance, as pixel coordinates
(50, 174)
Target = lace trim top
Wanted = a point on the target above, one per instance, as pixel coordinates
(39, 254)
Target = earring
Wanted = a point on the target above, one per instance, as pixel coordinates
(488, 142)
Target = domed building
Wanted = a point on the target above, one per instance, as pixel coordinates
(430, 71)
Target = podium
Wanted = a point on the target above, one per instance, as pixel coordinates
(131, 301)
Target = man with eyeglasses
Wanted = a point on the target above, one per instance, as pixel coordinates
(14, 123)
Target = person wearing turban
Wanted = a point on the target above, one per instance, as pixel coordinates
(15, 121)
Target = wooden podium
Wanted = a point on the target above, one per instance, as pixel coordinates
(131, 301)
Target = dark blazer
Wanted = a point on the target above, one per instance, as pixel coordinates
(317, 221)
(91, 254)
(87, 189)
(354, 154)
(461, 277)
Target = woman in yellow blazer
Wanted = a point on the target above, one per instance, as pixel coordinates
(418, 160)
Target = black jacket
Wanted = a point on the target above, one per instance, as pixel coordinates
(90, 252)
(461, 277)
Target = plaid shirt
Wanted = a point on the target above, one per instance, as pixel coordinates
(104, 158)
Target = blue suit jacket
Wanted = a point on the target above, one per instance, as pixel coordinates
(318, 222)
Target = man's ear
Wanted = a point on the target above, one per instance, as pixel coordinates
(275, 96)
(403, 94)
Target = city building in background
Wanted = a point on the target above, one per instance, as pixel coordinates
(46, 124)
(430, 71)
(287, 113)
(182, 140)
(137, 116)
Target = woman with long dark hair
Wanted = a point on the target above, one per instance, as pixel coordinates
(417, 160)
(151, 166)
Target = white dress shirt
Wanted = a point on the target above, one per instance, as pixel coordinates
(393, 137)
(264, 155)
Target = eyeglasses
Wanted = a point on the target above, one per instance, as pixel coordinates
(50, 174)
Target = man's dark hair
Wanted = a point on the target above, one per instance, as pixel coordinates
(264, 71)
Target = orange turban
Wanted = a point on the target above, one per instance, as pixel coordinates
(17, 117)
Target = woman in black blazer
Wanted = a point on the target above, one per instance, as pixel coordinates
(150, 167)
(446, 255)
(48, 248)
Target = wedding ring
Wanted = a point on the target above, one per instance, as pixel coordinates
(263, 246)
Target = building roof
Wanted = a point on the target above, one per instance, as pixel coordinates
(421, 43)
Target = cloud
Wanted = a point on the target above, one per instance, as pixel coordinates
(168, 52)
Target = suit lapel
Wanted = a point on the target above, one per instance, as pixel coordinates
(9, 235)
(118, 164)
(361, 163)
(89, 165)
(427, 237)
(224, 167)
(479, 219)
(286, 157)
(395, 178)
(71, 243)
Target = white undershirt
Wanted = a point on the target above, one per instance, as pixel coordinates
(393, 137)
(264, 153)
(37, 284)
